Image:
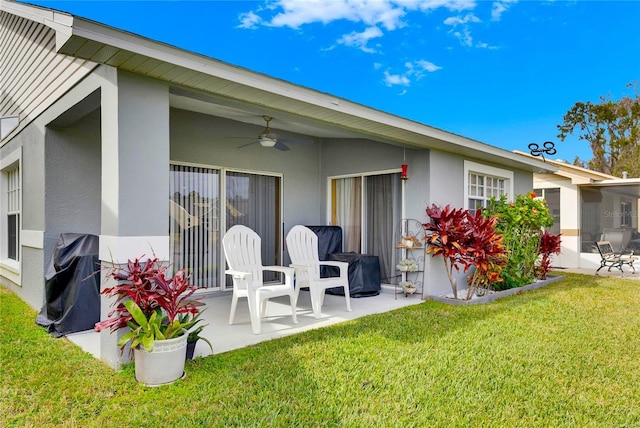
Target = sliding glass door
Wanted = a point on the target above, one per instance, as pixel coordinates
(368, 209)
(196, 216)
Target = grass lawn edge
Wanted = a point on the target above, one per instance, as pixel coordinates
(498, 294)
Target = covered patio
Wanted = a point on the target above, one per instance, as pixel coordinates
(276, 324)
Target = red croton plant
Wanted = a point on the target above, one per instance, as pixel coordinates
(151, 305)
(549, 245)
(465, 239)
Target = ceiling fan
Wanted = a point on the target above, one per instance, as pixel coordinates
(268, 138)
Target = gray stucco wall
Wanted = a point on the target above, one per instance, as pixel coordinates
(135, 158)
(73, 174)
(523, 182)
(61, 196)
(30, 141)
(214, 142)
(361, 156)
(447, 179)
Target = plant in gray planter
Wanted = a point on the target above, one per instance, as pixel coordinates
(157, 311)
(194, 331)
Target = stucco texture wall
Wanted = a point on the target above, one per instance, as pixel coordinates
(214, 142)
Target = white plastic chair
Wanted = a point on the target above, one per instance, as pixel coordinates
(302, 244)
(242, 251)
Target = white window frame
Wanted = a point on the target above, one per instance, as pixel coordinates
(486, 171)
(10, 268)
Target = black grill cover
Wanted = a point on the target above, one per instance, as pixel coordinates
(364, 270)
(329, 240)
(72, 292)
(364, 274)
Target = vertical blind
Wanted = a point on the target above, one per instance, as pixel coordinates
(194, 222)
(195, 230)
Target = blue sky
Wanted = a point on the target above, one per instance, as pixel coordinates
(501, 72)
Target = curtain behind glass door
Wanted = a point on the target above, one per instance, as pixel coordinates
(382, 214)
(347, 211)
(254, 201)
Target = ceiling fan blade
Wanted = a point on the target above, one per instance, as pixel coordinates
(294, 141)
(280, 146)
(248, 144)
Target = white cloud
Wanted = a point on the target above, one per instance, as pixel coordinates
(464, 33)
(413, 70)
(374, 17)
(464, 37)
(499, 7)
(396, 79)
(461, 20)
(360, 40)
(484, 45)
(249, 20)
(427, 66)
(381, 14)
(295, 13)
(428, 5)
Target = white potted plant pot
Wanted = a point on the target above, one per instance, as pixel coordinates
(165, 364)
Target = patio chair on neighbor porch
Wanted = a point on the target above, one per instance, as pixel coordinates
(302, 244)
(611, 259)
(242, 249)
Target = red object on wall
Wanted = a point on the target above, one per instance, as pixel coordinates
(404, 175)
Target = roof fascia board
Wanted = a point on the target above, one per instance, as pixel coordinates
(61, 22)
(616, 182)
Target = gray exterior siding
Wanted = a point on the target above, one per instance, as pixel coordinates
(32, 74)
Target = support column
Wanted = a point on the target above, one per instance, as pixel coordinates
(135, 179)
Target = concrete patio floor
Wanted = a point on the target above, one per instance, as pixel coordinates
(277, 323)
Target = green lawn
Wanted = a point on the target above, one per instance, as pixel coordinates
(564, 355)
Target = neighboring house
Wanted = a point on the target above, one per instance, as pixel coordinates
(144, 144)
(589, 206)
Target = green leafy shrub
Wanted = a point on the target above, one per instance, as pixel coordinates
(521, 223)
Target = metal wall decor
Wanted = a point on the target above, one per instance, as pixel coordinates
(547, 147)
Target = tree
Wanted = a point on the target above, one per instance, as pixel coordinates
(612, 128)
